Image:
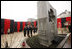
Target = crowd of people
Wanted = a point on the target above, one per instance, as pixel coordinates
(29, 30)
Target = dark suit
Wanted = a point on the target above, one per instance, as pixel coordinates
(24, 31)
(69, 27)
(34, 29)
(28, 31)
(31, 30)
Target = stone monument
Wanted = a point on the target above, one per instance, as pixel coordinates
(47, 22)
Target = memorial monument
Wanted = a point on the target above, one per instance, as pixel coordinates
(47, 22)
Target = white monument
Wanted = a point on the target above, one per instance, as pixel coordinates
(47, 22)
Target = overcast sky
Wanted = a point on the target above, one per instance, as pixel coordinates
(22, 10)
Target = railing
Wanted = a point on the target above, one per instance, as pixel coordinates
(64, 41)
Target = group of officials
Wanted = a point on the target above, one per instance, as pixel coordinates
(29, 29)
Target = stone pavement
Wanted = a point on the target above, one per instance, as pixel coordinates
(14, 40)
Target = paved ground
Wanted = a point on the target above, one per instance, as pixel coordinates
(14, 40)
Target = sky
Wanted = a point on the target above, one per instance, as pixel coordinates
(22, 10)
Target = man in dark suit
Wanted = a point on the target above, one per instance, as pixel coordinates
(69, 27)
(25, 31)
(28, 28)
(34, 29)
(2, 31)
(31, 30)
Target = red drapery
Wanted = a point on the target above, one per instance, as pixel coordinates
(68, 19)
(23, 25)
(34, 23)
(59, 23)
(18, 26)
(6, 25)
